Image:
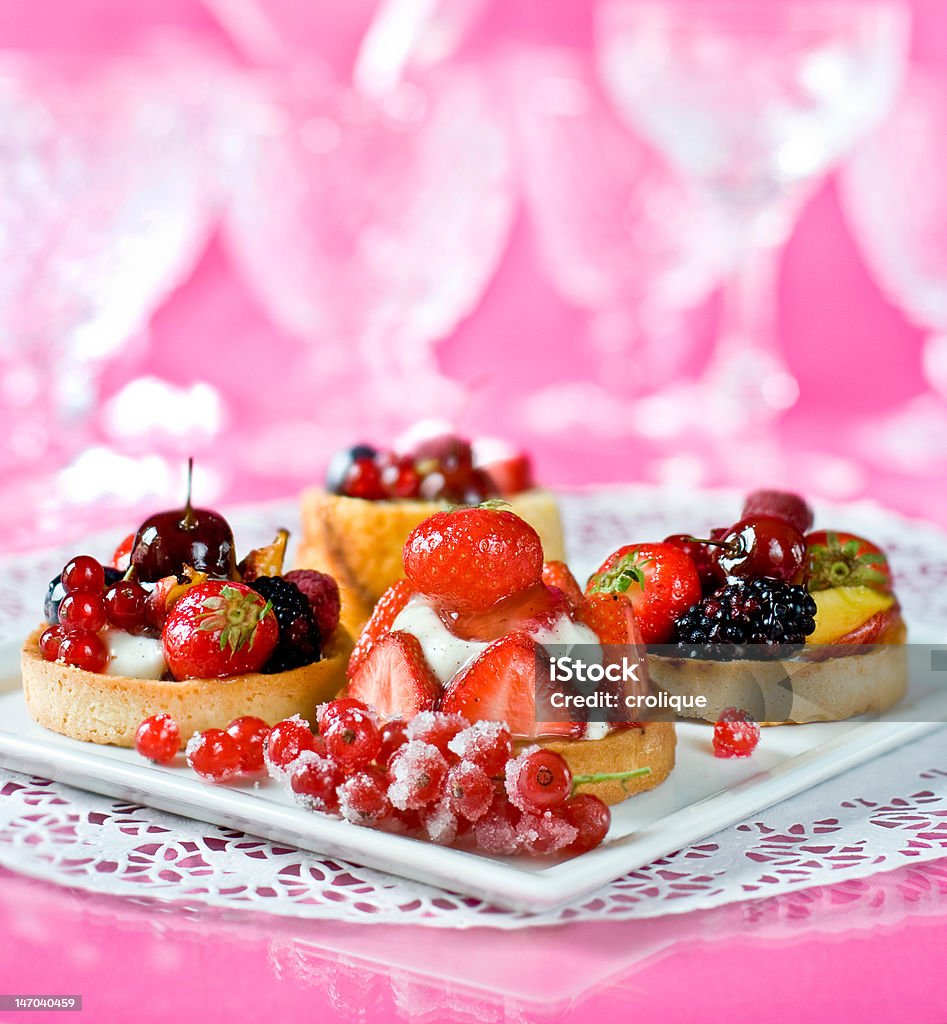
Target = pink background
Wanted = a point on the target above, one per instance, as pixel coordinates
(854, 355)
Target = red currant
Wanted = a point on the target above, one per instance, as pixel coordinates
(417, 772)
(250, 734)
(363, 480)
(326, 712)
(352, 738)
(83, 573)
(394, 735)
(438, 729)
(287, 740)
(50, 640)
(125, 604)
(736, 734)
(538, 779)
(488, 744)
(590, 816)
(83, 649)
(363, 797)
(81, 609)
(399, 477)
(495, 832)
(469, 790)
(317, 780)
(214, 755)
(158, 738)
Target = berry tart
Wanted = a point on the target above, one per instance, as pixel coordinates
(355, 529)
(766, 617)
(176, 626)
(461, 637)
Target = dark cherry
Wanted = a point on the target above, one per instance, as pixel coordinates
(451, 453)
(703, 555)
(783, 505)
(168, 541)
(56, 592)
(342, 462)
(763, 546)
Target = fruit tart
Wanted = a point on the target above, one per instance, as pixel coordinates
(175, 625)
(356, 527)
(464, 635)
(767, 616)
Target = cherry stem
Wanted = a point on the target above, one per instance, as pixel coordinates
(188, 519)
(734, 547)
(582, 780)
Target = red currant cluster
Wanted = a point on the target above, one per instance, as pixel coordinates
(437, 469)
(736, 734)
(88, 607)
(437, 775)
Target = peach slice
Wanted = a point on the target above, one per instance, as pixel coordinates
(852, 615)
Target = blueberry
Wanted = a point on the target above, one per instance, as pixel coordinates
(342, 462)
(55, 593)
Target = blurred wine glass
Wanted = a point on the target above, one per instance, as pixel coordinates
(894, 191)
(106, 198)
(619, 233)
(370, 224)
(753, 102)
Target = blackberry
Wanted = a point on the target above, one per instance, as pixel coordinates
(775, 617)
(299, 639)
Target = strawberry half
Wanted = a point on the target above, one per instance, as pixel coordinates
(386, 611)
(559, 576)
(500, 686)
(395, 678)
(524, 612)
(611, 617)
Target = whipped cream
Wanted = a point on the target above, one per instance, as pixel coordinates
(445, 653)
(139, 657)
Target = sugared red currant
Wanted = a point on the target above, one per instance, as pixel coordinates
(736, 734)
(590, 816)
(83, 649)
(214, 755)
(394, 735)
(125, 605)
(538, 779)
(250, 733)
(469, 790)
(487, 744)
(50, 640)
(326, 712)
(438, 729)
(417, 771)
(158, 738)
(287, 740)
(81, 609)
(352, 738)
(317, 779)
(83, 573)
(363, 797)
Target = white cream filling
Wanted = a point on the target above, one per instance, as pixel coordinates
(138, 657)
(445, 653)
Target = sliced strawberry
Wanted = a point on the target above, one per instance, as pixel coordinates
(525, 612)
(386, 611)
(611, 617)
(559, 575)
(511, 475)
(395, 678)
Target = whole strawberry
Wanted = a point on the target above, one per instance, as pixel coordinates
(467, 559)
(660, 581)
(219, 629)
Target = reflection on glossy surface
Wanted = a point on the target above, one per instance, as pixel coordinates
(211, 965)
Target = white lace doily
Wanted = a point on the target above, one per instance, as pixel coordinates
(878, 817)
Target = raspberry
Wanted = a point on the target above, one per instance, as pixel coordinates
(736, 734)
(299, 640)
(774, 616)
(322, 592)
